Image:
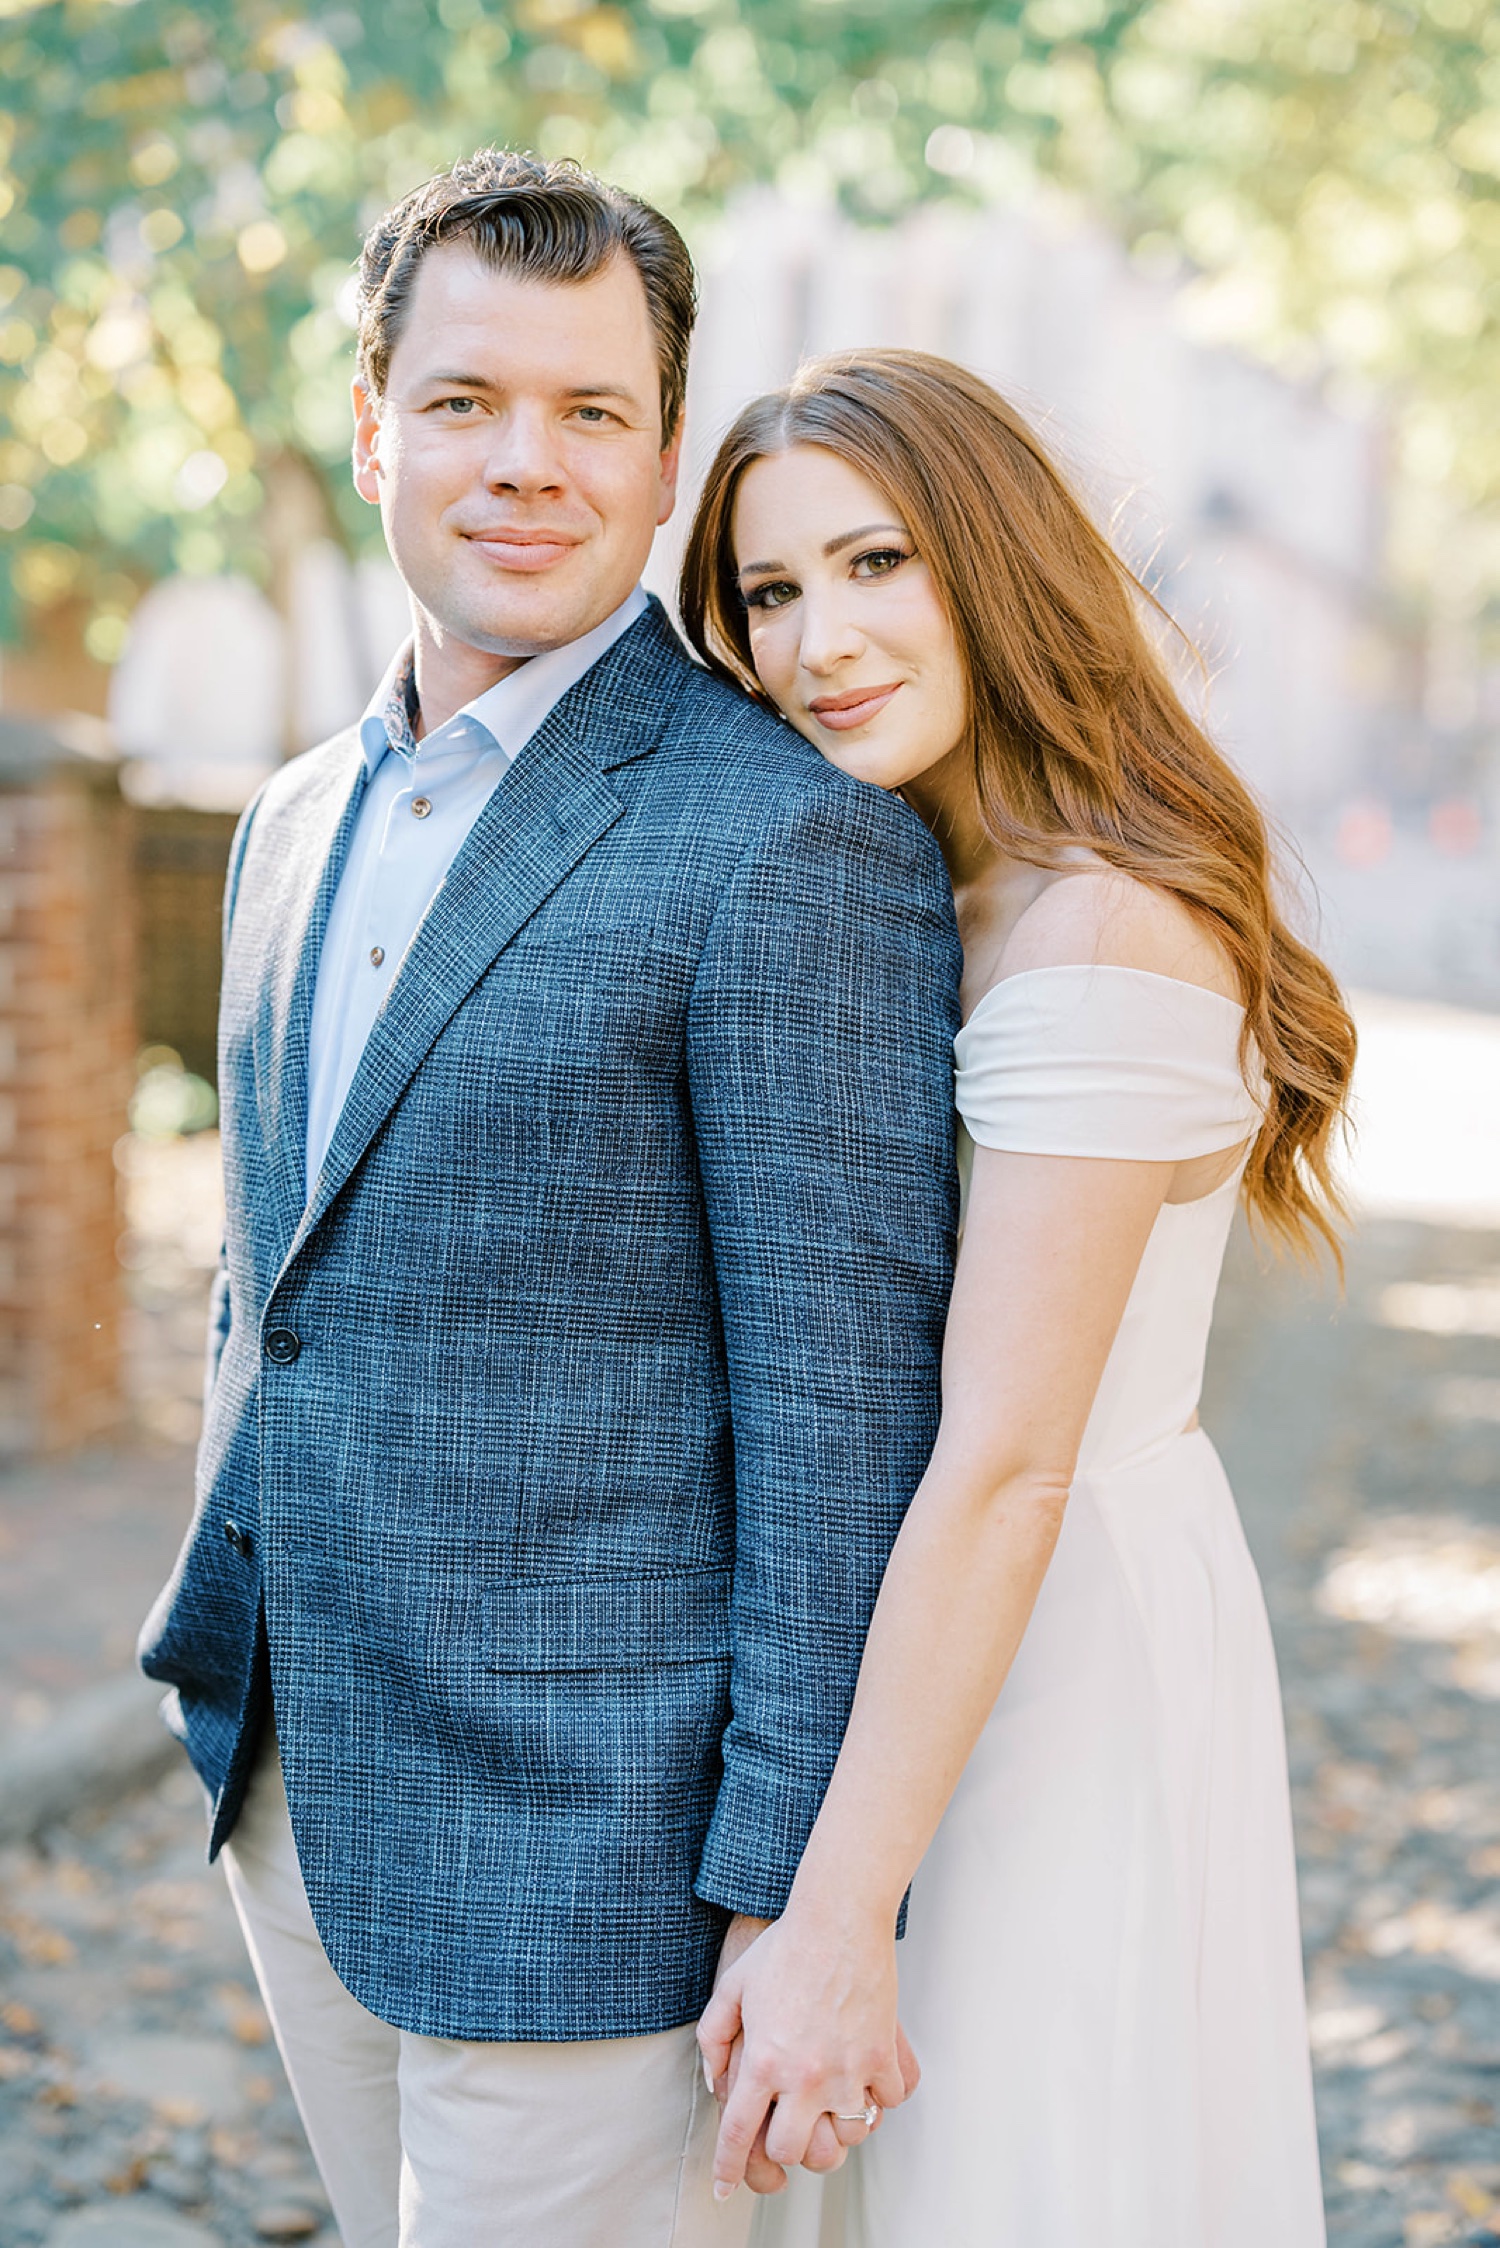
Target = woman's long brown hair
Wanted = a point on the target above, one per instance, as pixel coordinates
(1077, 733)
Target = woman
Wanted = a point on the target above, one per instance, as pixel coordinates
(1068, 1714)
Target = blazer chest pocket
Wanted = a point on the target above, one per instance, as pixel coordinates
(608, 1623)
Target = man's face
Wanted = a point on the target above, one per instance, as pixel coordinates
(516, 456)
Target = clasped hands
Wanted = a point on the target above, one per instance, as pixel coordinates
(798, 2040)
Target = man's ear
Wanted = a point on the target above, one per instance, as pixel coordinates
(366, 443)
(671, 462)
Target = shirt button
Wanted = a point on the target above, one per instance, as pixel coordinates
(377, 954)
(420, 807)
(282, 1345)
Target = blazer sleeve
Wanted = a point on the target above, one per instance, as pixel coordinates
(820, 1062)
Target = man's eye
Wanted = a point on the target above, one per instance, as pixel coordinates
(775, 595)
(458, 405)
(594, 415)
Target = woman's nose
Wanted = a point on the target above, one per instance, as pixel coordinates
(830, 635)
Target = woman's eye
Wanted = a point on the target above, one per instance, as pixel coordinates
(880, 561)
(776, 595)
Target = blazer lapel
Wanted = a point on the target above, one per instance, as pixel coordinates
(295, 884)
(546, 812)
(550, 808)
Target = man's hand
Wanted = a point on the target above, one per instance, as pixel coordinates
(738, 1937)
(761, 2174)
(800, 2031)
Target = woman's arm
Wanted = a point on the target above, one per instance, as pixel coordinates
(1051, 1248)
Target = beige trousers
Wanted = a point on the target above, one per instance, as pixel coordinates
(439, 2142)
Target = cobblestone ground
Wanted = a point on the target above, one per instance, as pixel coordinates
(1365, 1451)
(141, 2104)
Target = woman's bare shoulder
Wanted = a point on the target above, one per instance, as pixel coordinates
(1095, 916)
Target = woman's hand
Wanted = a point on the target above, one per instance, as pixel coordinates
(811, 2006)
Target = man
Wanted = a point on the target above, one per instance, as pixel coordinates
(585, 1083)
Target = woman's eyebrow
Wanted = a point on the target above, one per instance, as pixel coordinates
(865, 531)
(830, 547)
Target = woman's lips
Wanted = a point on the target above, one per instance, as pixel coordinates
(856, 708)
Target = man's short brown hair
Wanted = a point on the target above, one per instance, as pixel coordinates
(544, 221)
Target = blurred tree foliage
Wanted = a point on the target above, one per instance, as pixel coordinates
(183, 190)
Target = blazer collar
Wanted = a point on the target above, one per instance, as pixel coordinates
(618, 710)
(545, 813)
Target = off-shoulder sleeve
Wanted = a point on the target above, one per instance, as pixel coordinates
(1104, 1061)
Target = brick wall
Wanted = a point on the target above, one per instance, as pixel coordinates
(67, 1046)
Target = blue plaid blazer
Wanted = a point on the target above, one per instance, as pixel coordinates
(555, 1445)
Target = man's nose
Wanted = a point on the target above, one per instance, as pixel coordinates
(523, 454)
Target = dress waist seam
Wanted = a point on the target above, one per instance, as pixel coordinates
(1098, 1471)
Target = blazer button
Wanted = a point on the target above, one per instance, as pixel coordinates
(241, 1540)
(282, 1346)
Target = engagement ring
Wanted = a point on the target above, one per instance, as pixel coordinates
(866, 2116)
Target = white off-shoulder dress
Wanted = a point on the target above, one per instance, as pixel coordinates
(1102, 1973)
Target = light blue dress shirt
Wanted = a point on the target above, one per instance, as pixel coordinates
(420, 800)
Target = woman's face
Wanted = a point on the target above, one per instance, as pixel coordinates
(847, 634)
